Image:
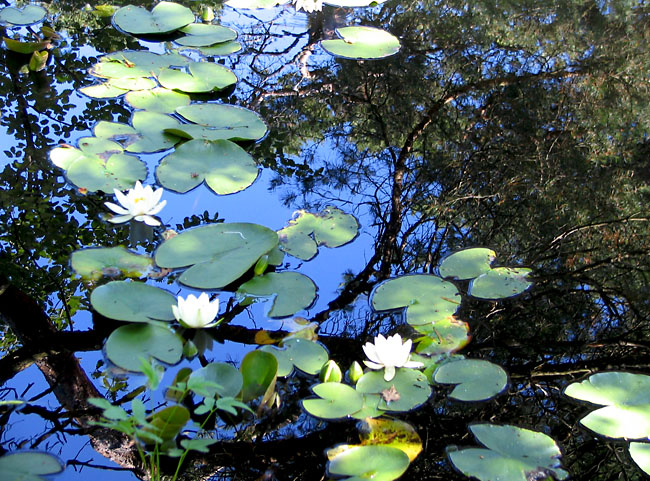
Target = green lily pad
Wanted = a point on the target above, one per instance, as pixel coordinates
(127, 345)
(335, 400)
(359, 463)
(147, 133)
(203, 35)
(331, 228)
(500, 282)
(410, 387)
(28, 466)
(442, 337)
(370, 408)
(224, 166)
(308, 356)
(512, 454)
(38, 61)
(19, 46)
(116, 87)
(202, 77)
(218, 50)
(426, 298)
(259, 370)
(29, 15)
(291, 292)
(99, 171)
(255, 4)
(97, 262)
(168, 422)
(476, 379)
(218, 254)
(353, 3)
(136, 63)
(165, 17)
(640, 453)
(626, 397)
(467, 264)
(161, 100)
(133, 301)
(228, 378)
(362, 43)
(219, 121)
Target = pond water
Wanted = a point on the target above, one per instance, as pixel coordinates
(517, 129)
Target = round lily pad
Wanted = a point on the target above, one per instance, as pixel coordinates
(218, 253)
(159, 100)
(133, 301)
(128, 345)
(219, 121)
(500, 283)
(640, 453)
(476, 379)
(224, 166)
(335, 400)
(227, 377)
(442, 337)
(97, 262)
(291, 292)
(379, 463)
(165, 17)
(28, 466)
(218, 50)
(28, 15)
(202, 77)
(362, 43)
(407, 390)
(259, 370)
(512, 454)
(136, 63)
(426, 298)
(145, 134)
(467, 264)
(308, 356)
(203, 35)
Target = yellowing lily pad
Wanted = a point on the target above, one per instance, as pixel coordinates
(362, 43)
(379, 463)
(391, 432)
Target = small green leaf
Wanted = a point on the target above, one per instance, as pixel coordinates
(259, 371)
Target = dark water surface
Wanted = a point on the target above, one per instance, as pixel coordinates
(519, 126)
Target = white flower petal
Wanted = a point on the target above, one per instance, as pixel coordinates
(119, 219)
(389, 373)
(116, 208)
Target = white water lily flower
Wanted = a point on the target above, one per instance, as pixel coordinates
(196, 313)
(308, 5)
(139, 203)
(389, 354)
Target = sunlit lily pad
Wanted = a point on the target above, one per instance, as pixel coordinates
(500, 282)
(640, 453)
(218, 50)
(391, 432)
(308, 356)
(291, 292)
(97, 262)
(224, 166)
(362, 43)
(626, 397)
(133, 301)
(370, 408)
(426, 298)
(442, 337)
(28, 15)
(202, 77)
(407, 390)
(159, 100)
(101, 171)
(512, 454)
(203, 35)
(218, 254)
(136, 63)
(116, 87)
(332, 228)
(335, 400)
(255, 4)
(219, 121)
(28, 466)
(147, 133)
(259, 371)
(379, 463)
(476, 379)
(128, 345)
(227, 376)
(467, 264)
(165, 17)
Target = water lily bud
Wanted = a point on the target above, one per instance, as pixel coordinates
(190, 350)
(355, 372)
(207, 14)
(261, 265)
(331, 372)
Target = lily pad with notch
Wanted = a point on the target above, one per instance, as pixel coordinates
(308, 356)
(159, 99)
(442, 337)
(204, 35)
(216, 254)
(290, 292)
(28, 15)
(133, 301)
(203, 77)
(94, 263)
(217, 50)
(146, 134)
(335, 400)
(476, 379)
(219, 121)
(29, 466)
(407, 390)
(115, 87)
(362, 43)
(510, 454)
(500, 283)
(467, 263)
(165, 17)
(136, 64)
(224, 166)
(128, 345)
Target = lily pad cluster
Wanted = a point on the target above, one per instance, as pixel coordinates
(36, 46)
